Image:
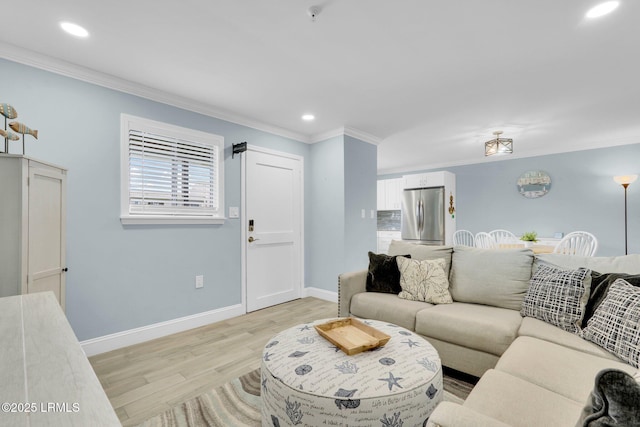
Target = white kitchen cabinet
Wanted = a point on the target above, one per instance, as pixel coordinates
(32, 227)
(385, 238)
(424, 180)
(390, 194)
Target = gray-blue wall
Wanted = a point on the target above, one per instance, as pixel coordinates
(583, 196)
(343, 182)
(360, 160)
(120, 277)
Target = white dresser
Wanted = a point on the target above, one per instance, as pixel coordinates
(32, 227)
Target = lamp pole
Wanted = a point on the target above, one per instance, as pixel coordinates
(625, 185)
(625, 180)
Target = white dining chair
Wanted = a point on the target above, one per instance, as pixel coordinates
(580, 243)
(485, 241)
(503, 237)
(463, 238)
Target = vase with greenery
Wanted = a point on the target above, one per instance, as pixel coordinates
(529, 238)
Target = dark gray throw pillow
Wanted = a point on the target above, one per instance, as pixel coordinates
(600, 283)
(614, 401)
(383, 275)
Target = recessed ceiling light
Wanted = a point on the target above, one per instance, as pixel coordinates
(308, 117)
(74, 29)
(602, 9)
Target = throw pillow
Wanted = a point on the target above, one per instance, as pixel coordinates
(383, 275)
(418, 251)
(600, 284)
(558, 296)
(424, 280)
(615, 325)
(614, 401)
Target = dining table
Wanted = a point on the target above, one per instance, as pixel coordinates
(536, 248)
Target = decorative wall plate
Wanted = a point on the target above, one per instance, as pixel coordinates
(534, 184)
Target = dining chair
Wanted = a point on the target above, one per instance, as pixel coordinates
(580, 243)
(485, 241)
(503, 237)
(463, 238)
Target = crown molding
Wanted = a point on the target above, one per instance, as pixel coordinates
(354, 133)
(88, 75)
(362, 136)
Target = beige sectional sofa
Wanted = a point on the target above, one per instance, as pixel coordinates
(532, 373)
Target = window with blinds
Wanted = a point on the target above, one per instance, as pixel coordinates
(173, 175)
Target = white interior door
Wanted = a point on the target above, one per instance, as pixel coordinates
(46, 259)
(273, 228)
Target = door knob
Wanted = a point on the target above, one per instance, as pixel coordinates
(251, 239)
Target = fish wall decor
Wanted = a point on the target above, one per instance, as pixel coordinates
(23, 129)
(9, 135)
(8, 111)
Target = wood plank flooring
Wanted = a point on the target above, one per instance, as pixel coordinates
(146, 379)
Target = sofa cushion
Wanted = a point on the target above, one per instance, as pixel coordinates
(555, 367)
(615, 325)
(600, 283)
(424, 280)
(539, 329)
(383, 274)
(558, 296)
(498, 278)
(399, 247)
(629, 264)
(479, 327)
(520, 403)
(387, 307)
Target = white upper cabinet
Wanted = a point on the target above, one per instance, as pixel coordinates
(424, 180)
(390, 194)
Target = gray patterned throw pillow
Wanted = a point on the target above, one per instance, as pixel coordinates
(615, 325)
(558, 296)
(424, 280)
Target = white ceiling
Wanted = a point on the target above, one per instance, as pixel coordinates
(429, 80)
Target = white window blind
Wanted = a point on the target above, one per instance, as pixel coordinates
(169, 175)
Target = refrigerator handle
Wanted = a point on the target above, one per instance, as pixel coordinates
(420, 216)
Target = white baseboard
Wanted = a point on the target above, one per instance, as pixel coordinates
(320, 293)
(118, 340)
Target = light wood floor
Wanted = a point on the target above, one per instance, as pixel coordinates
(146, 379)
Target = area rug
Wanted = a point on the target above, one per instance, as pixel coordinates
(237, 404)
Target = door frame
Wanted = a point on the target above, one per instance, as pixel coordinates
(243, 217)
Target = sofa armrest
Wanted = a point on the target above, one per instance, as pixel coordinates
(350, 284)
(449, 414)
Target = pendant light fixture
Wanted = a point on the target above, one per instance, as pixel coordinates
(498, 145)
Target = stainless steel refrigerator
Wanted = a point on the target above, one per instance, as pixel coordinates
(423, 215)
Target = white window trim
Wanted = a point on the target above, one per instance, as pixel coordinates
(127, 218)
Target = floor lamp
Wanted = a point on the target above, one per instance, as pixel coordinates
(625, 180)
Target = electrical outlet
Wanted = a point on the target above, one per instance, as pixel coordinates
(199, 281)
(373, 214)
(363, 214)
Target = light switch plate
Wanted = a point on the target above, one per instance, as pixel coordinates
(234, 212)
(199, 281)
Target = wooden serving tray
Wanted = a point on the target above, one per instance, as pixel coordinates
(351, 335)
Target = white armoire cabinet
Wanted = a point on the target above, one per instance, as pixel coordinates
(32, 227)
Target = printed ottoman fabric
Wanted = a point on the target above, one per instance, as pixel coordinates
(307, 381)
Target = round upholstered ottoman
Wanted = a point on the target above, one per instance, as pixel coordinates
(307, 381)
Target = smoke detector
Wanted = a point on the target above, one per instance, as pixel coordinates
(313, 12)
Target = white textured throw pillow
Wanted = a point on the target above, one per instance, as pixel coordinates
(424, 280)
